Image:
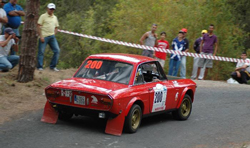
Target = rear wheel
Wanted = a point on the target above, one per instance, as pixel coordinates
(64, 115)
(184, 111)
(133, 120)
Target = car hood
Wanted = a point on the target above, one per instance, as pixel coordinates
(88, 85)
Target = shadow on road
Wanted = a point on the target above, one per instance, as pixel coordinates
(98, 125)
(84, 123)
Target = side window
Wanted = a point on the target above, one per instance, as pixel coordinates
(162, 75)
(149, 72)
(139, 76)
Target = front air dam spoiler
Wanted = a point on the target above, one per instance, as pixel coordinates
(114, 125)
(50, 115)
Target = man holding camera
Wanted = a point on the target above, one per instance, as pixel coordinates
(7, 41)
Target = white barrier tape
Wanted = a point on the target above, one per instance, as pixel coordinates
(218, 58)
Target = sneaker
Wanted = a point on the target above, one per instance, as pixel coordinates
(55, 69)
(40, 69)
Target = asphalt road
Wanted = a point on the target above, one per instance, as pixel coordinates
(220, 118)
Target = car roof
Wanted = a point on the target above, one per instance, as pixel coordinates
(127, 58)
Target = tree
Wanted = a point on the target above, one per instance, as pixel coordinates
(240, 10)
(27, 62)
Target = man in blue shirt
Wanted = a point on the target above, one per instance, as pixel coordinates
(14, 13)
(178, 44)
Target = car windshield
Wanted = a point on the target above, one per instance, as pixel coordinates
(105, 70)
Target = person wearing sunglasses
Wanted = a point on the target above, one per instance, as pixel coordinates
(47, 28)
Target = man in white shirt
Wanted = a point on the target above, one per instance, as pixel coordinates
(7, 41)
(242, 70)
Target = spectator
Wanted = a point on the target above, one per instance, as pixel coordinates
(162, 43)
(150, 38)
(178, 44)
(196, 59)
(14, 13)
(208, 46)
(7, 41)
(183, 58)
(242, 70)
(47, 29)
(3, 16)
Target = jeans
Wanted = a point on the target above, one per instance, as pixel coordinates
(12, 51)
(173, 67)
(8, 62)
(51, 40)
(183, 67)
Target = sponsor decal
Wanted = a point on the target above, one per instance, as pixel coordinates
(94, 100)
(66, 93)
(175, 83)
(176, 96)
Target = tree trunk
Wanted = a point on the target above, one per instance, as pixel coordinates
(27, 63)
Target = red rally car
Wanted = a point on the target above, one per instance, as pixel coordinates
(122, 88)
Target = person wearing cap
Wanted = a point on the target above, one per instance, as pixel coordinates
(3, 15)
(47, 29)
(196, 59)
(208, 46)
(150, 39)
(183, 58)
(7, 41)
(178, 44)
(14, 13)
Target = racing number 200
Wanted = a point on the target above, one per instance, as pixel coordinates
(93, 64)
(158, 97)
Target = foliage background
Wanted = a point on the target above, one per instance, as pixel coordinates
(127, 20)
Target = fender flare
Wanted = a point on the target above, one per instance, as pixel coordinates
(183, 94)
(130, 104)
(115, 126)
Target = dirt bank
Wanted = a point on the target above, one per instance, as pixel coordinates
(17, 98)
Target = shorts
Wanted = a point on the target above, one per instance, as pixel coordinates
(207, 63)
(147, 53)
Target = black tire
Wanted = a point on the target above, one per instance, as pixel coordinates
(64, 115)
(184, 111)
(133, 119)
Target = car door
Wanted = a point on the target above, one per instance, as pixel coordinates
(160, 91)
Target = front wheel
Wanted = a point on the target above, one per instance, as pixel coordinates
(184, 111)
(133, 120)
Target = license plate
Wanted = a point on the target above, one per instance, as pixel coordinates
(79, 100)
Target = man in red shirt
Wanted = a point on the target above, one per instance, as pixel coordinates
(162, 43)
